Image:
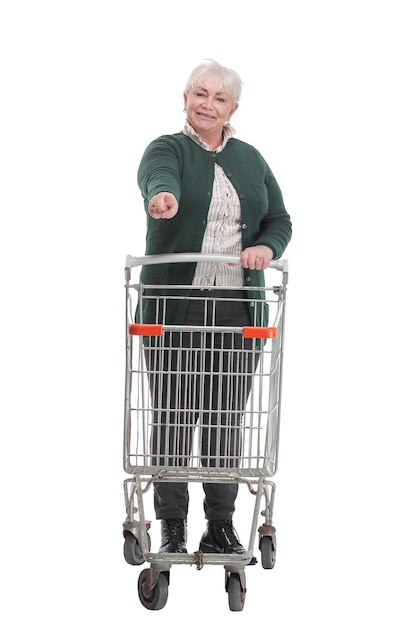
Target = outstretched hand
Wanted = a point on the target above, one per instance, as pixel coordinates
(163, 206)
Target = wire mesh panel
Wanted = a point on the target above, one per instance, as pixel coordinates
(202, 399)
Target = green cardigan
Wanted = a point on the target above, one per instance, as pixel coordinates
(177, 164)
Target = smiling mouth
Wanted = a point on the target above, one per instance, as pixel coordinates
(206, 116)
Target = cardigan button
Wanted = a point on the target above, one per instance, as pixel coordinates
(244, 226)
(248, 279)
(251, 304)
(241, 196)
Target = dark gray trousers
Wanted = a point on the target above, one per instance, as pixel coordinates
(214, 392)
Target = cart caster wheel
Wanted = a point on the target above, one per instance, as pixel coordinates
(131, 549)
(158, 596)
(236, 593)
(268, 551)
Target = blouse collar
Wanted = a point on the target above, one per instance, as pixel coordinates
(228, 132)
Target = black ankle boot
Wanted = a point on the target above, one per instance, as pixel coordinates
(221, 537)
(173, 535)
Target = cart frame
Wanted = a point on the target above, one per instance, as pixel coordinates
(255, 472)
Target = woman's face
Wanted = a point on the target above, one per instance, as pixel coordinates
(208, 108)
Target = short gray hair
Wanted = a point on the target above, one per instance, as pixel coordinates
(226, 78)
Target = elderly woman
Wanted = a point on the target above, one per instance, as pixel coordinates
(205, 191)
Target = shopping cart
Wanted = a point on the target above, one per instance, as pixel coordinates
(168, 434)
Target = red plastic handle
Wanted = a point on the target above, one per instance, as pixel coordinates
(259, 332)
(145, 329)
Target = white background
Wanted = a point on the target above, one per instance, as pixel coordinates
(329, 99)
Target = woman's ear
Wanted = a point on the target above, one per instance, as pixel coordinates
(234, 107)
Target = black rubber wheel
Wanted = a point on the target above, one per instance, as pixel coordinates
(158, 597)
(131, 550)
(268, 552)
(235, 593)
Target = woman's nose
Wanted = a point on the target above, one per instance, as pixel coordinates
(208, 102)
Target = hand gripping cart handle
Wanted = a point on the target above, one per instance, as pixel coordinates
(202, 404)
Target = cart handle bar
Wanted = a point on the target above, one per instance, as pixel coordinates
(193, 257)
(248, 332)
